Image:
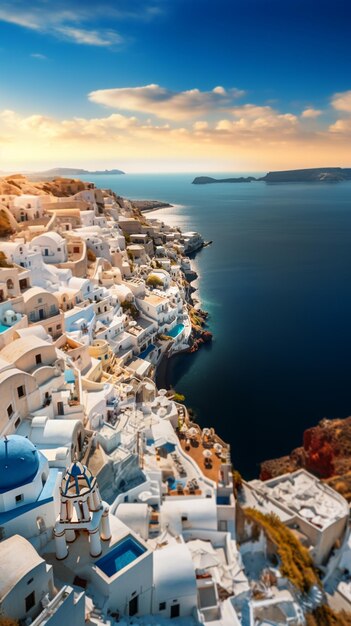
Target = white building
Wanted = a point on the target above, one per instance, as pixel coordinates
(317, 513)
(27, 589)
(52, 246)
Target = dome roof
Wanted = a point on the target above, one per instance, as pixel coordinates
(78, 480)
(19, 462)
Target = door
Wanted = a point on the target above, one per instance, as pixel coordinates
(41, 314)
(60, 410)
(175, 610)
(133, 606)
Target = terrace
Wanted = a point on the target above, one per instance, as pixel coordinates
(207, 450)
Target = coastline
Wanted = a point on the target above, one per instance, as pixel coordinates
(159, 208)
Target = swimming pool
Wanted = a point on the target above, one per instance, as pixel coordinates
(124, 553)
(3, 328)
(149, 349)
(176, 331)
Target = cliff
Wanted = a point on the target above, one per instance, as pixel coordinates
(309, 175)
(319, 174)
(150, 205)
(326, 452)
(17, 184)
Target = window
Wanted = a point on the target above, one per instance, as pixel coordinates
(38, 358)
(58, 249)
(76, 250)
(19, 498)
(162, 606)
(30, 581)
(58, 327)
(50, 329)
(9, 410)
(17, 422)
(40, 300)
(21, 391)
(30, 601)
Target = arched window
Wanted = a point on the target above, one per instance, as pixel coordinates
(9, 283)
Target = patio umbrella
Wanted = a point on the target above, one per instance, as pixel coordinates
(218, 448)
(162, 392)
(192, 432)
(207, 454)
(206, 432)
(144, 496)
(162, 412)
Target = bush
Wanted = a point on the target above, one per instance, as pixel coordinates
(91, 256)
(325, 616)
(129, 307)
(178, 397)
(237, 479)
(154, 281)
(295, 561)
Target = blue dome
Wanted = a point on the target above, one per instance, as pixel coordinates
(19, 462)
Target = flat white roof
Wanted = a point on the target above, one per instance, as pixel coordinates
(306, 496)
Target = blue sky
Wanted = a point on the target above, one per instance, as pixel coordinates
(281, 58)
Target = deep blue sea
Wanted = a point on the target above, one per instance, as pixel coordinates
(277, 285)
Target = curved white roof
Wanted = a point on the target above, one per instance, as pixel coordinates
(76, 283)
(174, 574)
(50, 235)
(58, 432)
(21, 346)
(17, 559)
(136, 516)
(36, 331)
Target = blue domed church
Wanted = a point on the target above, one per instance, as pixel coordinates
(29, 490)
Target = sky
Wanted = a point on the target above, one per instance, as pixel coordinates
(175, 85)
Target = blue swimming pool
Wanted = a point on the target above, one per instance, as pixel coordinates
(124, 553)
(223, 500)
(3, 328)
(176, 331)
(149, 349)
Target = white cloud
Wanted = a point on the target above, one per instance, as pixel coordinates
(90, 37)
(342, 101)
(64, 23)
(38, 55)
(311, 113)
(165, 103)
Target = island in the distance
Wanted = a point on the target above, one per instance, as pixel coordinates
(206, 180)
(314, 175)
(70, 171)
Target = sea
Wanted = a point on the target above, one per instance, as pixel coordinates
(276, 282)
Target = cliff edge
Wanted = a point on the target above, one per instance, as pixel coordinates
(326, 453)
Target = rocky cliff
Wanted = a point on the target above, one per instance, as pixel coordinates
(326, 452)
(17, 184)
(319, 174)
